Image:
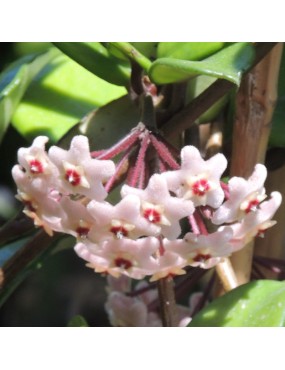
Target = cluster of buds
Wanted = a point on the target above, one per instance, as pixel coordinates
(174, 210)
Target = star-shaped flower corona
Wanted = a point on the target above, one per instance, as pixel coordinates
(41, 202)
(198, 180)
(245, 196)
(80, 174)
(159, 208)
(204, 251)
(36, 161)
(123, 220)
(76, 220)
(256, 223)
(133, 258)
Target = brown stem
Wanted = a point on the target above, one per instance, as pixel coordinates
(15, 228)
(167, 301)
(254, 109)
(38, 244)
(187, 116)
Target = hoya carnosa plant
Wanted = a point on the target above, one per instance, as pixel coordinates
(174, 211)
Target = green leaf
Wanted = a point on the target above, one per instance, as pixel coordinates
(258, 303)
(108, 124)
(59, 97)
(149, 49)
(15, 80)
(229, 64)
(98, 60)
(78, 320)
(188, 50)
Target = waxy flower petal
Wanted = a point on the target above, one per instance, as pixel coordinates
(255, 224)
(204, 251)
(159, 208)
(198, 180)
(81, 174)
(244, 196)
(133, 258)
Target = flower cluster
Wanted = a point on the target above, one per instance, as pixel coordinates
(183, 215)
(136, 308)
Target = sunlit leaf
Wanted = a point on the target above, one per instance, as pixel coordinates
(229, 64)
(98, 60)
(15, 80)
(258, 303)
(59, 97)
(188, 50)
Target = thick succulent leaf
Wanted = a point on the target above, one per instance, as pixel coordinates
(277, 135)
(98, 60)
(229, 64)
(78, 320)
(188, 50)
(258, 303)
(59, 97)
(108, 124)
(149, 49)
(15, 80)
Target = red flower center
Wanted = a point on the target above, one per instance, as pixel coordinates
(200, 187)
(123, 263)
(36, 167)
(201, 257)
(72, 177)
(119, 232)
(152, 215)
(252, 206)
(82, 231)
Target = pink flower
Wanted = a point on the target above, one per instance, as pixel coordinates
(123, 220)
(169, 264)
(76, 220)
(122, 256)
(204, 251)
(198, 180)
(80, 174)
(244, 196)
(256, 223)
(36, 161)
(129, 312)
(41, 202)
(159, 208)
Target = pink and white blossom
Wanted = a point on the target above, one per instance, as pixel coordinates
(133, 258)
(244, 196)
(255, 224)
(159, 208)
(204, 251)
(80, 173)
(198, 180)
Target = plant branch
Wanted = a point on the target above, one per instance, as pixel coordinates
(167, 301)
(34, 247)
(255, 105)
(187, 116)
